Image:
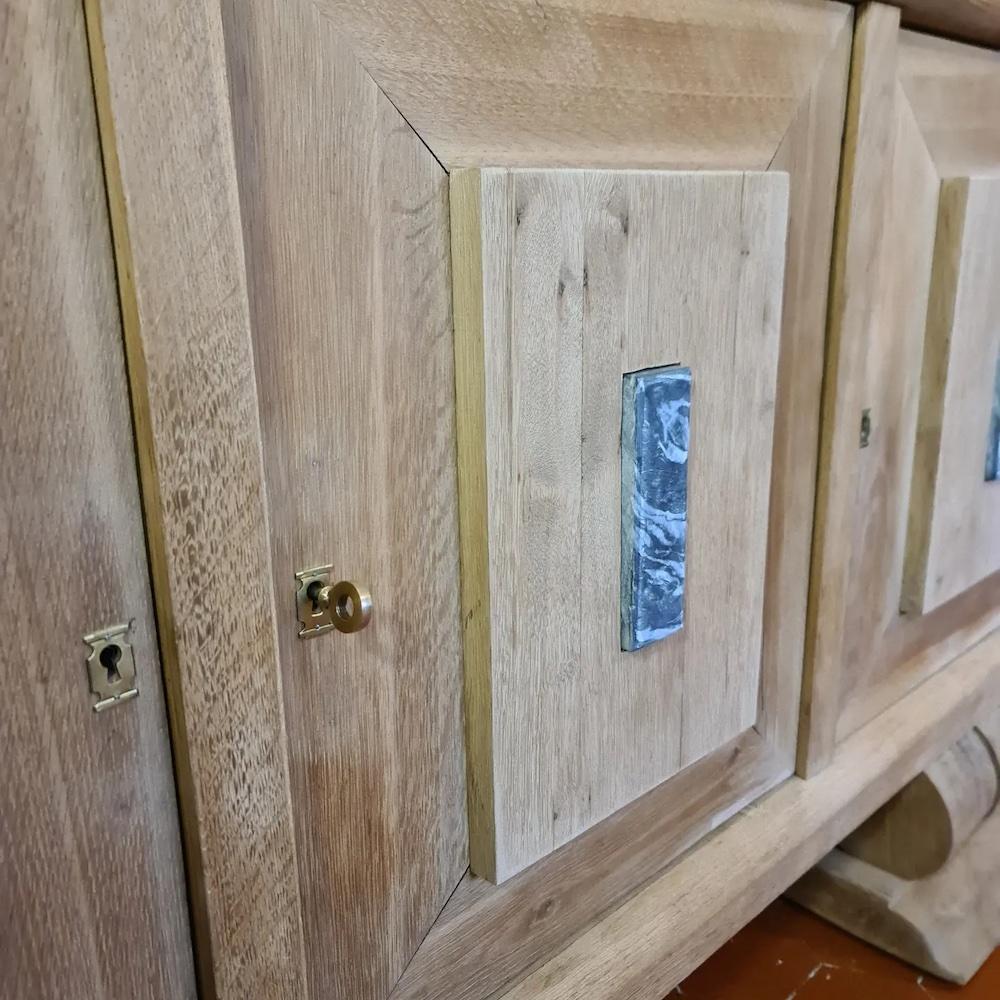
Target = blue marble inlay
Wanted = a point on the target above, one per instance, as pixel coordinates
(993, 440)
(656, 417)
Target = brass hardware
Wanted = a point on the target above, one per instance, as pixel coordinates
(350, 605)
(323, 605)
(111, 667)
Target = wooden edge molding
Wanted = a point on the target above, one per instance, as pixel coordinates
(968, 20)
(489, 936)
(865, 169)
(166, 134)
(649, 944)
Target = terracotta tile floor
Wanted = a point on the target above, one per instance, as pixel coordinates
(788, 954)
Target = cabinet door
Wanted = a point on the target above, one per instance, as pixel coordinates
(714, 256)
(325, 394)
(91, 879)
(908, 542)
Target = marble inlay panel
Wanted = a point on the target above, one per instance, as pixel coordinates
(993, 438)
(656, 416)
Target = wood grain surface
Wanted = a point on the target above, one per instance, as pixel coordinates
(587, 275)
(465, 955)
(864, 654)
(859, 231)
(649, 83)
(166, 131)
(921, 827)
(810, 152)
(646, 946)
(953, 537)
(888, 653)
(953, 90)
(489, 936)
(346, 231)
(91, 874)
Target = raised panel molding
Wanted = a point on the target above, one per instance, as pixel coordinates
(571, 83)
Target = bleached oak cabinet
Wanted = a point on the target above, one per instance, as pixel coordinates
(492, 672)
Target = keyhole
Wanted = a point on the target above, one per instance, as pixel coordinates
(109, 658)
(312, 592)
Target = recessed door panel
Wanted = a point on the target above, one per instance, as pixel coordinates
(568, 283)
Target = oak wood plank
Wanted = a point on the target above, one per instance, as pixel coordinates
(916, 649)
(166, 129)
(868, 150)
(953, 90)
(574, 83)
(345, 218)
(890, 387)
(90, 845)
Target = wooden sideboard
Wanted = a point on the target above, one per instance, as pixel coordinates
(382, 269)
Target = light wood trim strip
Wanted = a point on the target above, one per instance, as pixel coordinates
(467, 284)
(942, 301)
(643, 949)
(160, 81)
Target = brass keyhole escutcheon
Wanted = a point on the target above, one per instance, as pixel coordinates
(323, 605)
(111, 666)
